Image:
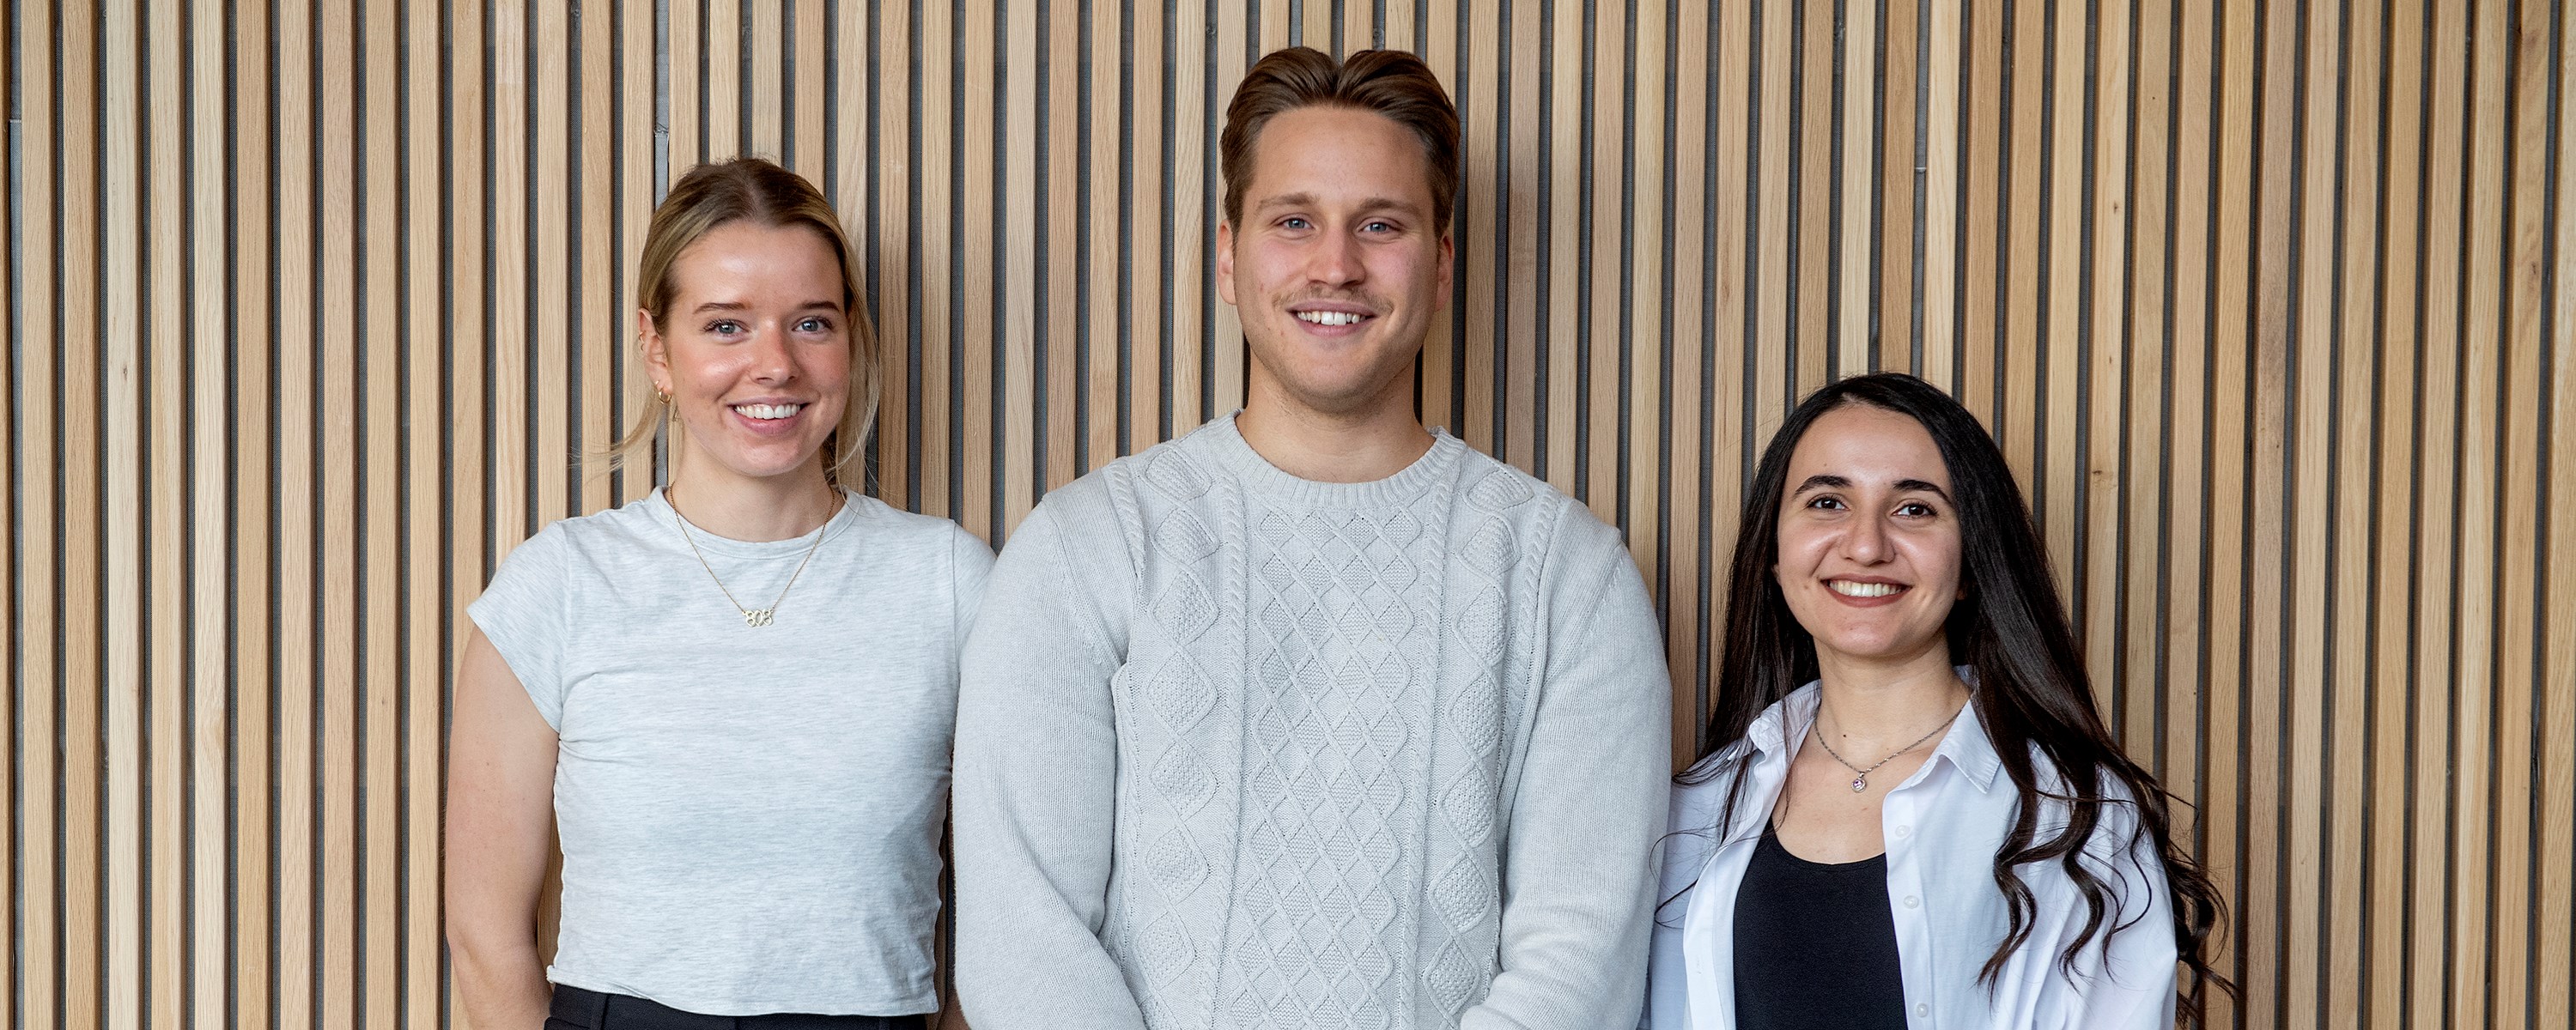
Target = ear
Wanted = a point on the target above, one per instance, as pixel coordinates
(1448, 256)
(654, 350)
(1225, 260)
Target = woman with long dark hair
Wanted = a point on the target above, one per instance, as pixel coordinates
(1965, 845)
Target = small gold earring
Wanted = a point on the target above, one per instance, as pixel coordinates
(665, 395)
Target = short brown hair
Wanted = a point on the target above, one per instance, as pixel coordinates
(754, 190)
(1387, 82)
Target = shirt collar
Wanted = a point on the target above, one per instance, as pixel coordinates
(1966, 746)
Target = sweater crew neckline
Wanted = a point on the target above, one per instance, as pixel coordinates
(1260, 477)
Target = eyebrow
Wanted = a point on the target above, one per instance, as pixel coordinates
(1370, 204)
(1829, 481)
(729, 305)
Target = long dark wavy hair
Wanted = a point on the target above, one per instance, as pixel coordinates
(2032, 695)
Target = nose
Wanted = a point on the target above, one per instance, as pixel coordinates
(770, 359)
(1866, 542)
(1335, 261)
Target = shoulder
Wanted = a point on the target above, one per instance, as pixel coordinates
(600, 538)
(1543, 516)
(887, 522)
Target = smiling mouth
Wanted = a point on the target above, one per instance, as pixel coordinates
(1848, 588)
(767, 412)
(1332, 317)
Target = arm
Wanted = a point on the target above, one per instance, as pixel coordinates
(1036, 789)
(1579, 866)
(500, 826)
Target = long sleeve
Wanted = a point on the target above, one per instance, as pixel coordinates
(1579, 865)
(2126, 979)
(1036, 780)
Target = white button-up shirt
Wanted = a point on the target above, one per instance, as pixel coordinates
(1942, 827)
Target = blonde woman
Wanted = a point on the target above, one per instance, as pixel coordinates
(731, 699)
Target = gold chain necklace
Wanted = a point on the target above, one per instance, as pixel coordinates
(753, 617)
(1861, 782)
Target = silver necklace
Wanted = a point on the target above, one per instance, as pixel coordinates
(1861, 782)
(752, 617)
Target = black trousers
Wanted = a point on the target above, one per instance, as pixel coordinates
(578, 1009)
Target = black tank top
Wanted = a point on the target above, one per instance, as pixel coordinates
(1815, 945)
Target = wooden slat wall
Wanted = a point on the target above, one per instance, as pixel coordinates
(311, 303)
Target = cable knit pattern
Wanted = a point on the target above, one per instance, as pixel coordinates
(1321, 697)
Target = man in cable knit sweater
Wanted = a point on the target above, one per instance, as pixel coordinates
(1312, 717)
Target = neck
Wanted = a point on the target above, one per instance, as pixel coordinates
(1889, 701)
(753, 510)
(1361, 446)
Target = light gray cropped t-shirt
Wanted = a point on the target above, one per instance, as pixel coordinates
(749, 816)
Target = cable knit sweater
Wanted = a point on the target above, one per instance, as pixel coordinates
(1237, 749)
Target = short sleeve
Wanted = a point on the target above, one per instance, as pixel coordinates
(970, 561)
(522, 613)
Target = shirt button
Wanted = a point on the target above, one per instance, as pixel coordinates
(1923, 1009)
(1904, 831)
(1913, 902)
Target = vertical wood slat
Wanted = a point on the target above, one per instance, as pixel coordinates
(1642, 469)
(1565, 223)
(251, 434)
(888, 33)
(121, 501)
(1062, 392)
(35, 566)
(296, 917)
(469, 538)
(1682, 502)
(2557, 952)
(338, 956)
(1476, 231)
(1522, 155)
(940, 230)
(209, 525)
(1605, 205)
(377, 774)
(978, 339)
(430, 432)
(1017, 464)
(163, 376)
(10, 640)
(2100, 483)
(2170, 268)
(2349, 971)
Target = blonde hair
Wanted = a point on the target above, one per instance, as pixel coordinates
(755, 190)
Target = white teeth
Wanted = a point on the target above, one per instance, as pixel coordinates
(1848, 588)
(1328, 317)
(768, 411)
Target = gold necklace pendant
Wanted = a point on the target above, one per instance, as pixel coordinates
(753, 617)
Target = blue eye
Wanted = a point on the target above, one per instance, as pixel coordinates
(813, 325)
(1294, 222)
(725, 327)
